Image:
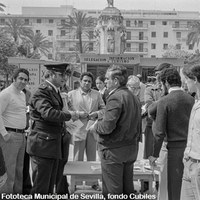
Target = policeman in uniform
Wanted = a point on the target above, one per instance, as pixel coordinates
(45, 141)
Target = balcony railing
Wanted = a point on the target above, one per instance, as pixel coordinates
(136, 50)
(144, 38)
(180, 26)
(138, 26)
(66, 37)
(65, 49)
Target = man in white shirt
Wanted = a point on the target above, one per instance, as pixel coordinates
(12, 125)
(191, 160)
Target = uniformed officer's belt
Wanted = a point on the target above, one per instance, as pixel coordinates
(15, 130)
(194, 160)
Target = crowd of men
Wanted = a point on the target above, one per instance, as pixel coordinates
(118, 114)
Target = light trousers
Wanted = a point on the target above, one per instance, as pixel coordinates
(13, 151)
(191, 181)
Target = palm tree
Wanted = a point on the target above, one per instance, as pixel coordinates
(79, 22)
(2, 5)
(16, 29)
(193, 36)
(36, 44)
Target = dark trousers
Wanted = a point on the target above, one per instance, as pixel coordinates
(117, 169)
(175, 172)
(26, 175)
(61, 181)
(44, 174)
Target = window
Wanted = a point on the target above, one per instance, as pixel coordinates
(2, 21)
(62, 56)
(140, 23)
(141, 47)
(164, 23)
(153, 56)
(91, 46)
(128, 35)
(39, 21)
(50, 44)
(62, 45)
(153, 34)
(153, 46)
(165, 46)
(189, 23)
(165, 34)
(62, 32)
(128, 47)
(91, 35)
(177, 24)
(178, 46)
(50, 32)
(37, 31)
(152, 22)
(178, 34)
(128, 23)
(141, 35)
(50, 56)
(26, 21)
(62, 21)
(50, 21)
(190, 47)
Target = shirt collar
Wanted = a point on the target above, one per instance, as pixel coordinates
(56, 89)
(84, 93)
(174, 89)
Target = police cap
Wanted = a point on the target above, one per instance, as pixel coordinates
(62, 67)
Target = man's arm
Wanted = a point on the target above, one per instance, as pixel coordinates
(4, 101)
(42, 103)
(161, 123)
(111, 116)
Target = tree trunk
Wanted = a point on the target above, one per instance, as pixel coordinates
(7, 82)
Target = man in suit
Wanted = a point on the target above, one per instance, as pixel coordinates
(118, 134)
(172, 119)
(44, 142)
(90, 103)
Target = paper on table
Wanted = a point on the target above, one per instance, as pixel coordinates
(73, 126)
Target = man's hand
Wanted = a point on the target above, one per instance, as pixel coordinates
(152, 161)
(7, 136)
(3, 179)
(74, 115)
(93, 116)
(82, 114)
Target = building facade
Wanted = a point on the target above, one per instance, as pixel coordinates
(148, 33)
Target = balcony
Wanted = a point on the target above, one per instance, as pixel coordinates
(138, 26)
(138, 38)
(66, 37)
(136, 50)
(28, 24)
(65, 49)
(179, 27)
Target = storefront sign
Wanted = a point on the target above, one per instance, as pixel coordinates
(110, 59)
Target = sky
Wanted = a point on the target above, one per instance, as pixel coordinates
(14, 6)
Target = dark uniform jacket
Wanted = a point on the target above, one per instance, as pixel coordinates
(47, 130)
(2, 163)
